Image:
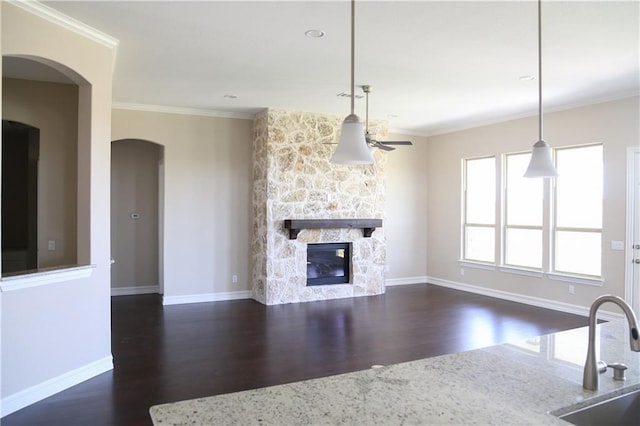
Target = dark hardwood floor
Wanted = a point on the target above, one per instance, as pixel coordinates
(189, 351)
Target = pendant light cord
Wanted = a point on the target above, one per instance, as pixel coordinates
(540, 69)
(353, 48)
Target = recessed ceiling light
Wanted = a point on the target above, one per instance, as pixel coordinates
(230, 96)
(314, 33)
(527, 78)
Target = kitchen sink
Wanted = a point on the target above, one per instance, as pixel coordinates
(621, 410)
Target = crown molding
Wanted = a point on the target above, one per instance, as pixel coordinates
(436, 131)
(67, 22)
(182, 111)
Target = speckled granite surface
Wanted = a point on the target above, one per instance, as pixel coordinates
(519, 383)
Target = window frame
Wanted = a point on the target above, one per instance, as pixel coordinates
(549, 228)
(506, 226)
(466, 224)
(555, 228)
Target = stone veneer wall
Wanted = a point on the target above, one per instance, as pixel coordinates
(293, 179)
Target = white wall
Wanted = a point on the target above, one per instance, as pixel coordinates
(207, 200)
(57, 334)
(614, 124)
(406, 206)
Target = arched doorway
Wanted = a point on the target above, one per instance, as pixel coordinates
(136, 217)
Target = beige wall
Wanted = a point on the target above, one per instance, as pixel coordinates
(614, 124)
(207, 193)
(406, 217)
(134, 189)
(52, 108)
(77, 312)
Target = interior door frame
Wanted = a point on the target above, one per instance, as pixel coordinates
(632, 292)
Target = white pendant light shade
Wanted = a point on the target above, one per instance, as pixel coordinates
(541, 164)
(352, 146)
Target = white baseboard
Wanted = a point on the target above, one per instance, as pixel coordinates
(129, 291)
(24, 398)
(527, 300)
(209, 297)
(404, 281)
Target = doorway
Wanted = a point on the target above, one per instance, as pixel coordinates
(136, 191)
(20, 154)
(632, 256)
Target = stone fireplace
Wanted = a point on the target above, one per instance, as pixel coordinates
(293, 179)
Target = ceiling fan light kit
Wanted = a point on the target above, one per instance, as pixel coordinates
(352, 146)
(541, 164)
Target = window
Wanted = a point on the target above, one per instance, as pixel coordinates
(551, 226)
(479, 211)
(523, 214)
(578, 199)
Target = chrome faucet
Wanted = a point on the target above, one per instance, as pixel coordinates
(592, 367)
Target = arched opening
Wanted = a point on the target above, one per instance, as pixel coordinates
(137, 177)
(46, 98)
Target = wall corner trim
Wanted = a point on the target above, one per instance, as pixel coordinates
(24, 398)
(58, 18)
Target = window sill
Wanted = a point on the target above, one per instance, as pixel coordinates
(597, 282)
(20, 281)
(477, 265)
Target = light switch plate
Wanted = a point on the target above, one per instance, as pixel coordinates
(617, 245)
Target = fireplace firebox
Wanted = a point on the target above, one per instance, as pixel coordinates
(328, 263)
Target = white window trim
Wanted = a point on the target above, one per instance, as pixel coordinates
(553, 273)
(478, 265)
(597, 282)
(45, 277)
(464, 225)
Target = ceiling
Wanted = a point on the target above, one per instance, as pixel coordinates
(433, 66)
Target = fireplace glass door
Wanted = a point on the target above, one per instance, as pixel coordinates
(328, 263)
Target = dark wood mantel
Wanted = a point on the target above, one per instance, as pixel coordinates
(296, 225)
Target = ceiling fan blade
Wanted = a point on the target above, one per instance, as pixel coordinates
(396, 142)
(382, 147)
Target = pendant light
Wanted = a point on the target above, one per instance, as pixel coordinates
(541, 164)
(352, 146)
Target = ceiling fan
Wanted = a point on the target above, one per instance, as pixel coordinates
(373, 143)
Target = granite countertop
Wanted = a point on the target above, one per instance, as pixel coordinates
(513, 383)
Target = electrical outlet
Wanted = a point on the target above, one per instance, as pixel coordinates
(572, 289)
(51, 245)
(234, 278)
(461, 271)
